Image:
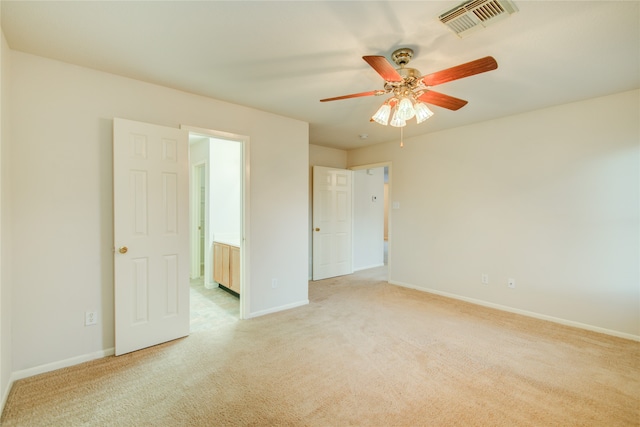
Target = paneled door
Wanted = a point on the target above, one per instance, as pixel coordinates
(332, 222)
(151, 234)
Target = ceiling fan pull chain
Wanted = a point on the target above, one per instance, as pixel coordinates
(402, 137)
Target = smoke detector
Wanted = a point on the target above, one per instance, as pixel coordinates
(473, 15)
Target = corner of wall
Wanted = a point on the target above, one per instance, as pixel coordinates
(5, 289)
(325, 156)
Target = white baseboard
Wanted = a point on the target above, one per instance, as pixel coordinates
(26, 373)
(368, 267)
(5, 395)
(276, 309)
(211, 285)
(522, 312)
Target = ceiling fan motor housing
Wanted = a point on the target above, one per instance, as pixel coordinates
(402, 56)
(411, 76)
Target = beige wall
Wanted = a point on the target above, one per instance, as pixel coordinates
(5, 229)
(368, 218)
(549, 198)
(61, 201)
(329, 157)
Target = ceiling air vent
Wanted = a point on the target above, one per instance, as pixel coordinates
(475, 14)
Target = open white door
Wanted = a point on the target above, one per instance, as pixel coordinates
(151, 234)
(332, 222)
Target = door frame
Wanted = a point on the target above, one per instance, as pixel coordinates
(245, 288)
(387, 164)
(194, 214)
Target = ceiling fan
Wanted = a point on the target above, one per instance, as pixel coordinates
(411, 91)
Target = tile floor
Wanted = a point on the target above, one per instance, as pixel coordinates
(211, 307)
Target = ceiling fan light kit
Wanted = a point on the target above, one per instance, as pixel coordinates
(397, 121)
(382, 115)
(422, 112)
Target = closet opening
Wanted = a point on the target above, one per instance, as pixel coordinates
(371, 235)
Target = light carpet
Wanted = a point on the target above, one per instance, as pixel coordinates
(362, 353)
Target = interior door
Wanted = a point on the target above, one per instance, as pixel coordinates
(151, 234)
(332, 222)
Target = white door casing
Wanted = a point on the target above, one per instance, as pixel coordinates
(197, 219)
(332, 222)
(151, 234)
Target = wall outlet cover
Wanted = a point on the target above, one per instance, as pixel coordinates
(90, 318)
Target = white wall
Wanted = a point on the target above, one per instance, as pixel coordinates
(61, 201)
(226, 190)
(368, 218)
(549, 198)
(5, 227)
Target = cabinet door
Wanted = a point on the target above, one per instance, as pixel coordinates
(218, 265)
(234, 269)
(225, 265)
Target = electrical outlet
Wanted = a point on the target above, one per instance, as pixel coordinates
(485, 279)
(274, 283)
(90, 318)
(512, 283)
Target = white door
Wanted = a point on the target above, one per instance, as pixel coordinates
(151, 234)
(332, 222)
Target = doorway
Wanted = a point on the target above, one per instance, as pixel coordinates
(371, 220)
(218, 215)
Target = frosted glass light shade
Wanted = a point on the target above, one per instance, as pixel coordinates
(382, 115)
(422, 112)
(397, 121)
(405, 109)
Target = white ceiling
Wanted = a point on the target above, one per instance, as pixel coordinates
(283, 57)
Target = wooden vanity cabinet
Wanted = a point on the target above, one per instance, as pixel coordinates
(226, 266)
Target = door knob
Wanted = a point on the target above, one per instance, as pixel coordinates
(123, 249)
(317, 229)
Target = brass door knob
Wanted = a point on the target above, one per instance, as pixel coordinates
(317, 229)
(123, 249)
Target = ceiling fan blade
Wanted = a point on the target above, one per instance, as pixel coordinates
(383, 67)
(354, 95)
(464, 70)
(442, 100)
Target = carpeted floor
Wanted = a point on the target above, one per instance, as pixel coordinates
(363, 352)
